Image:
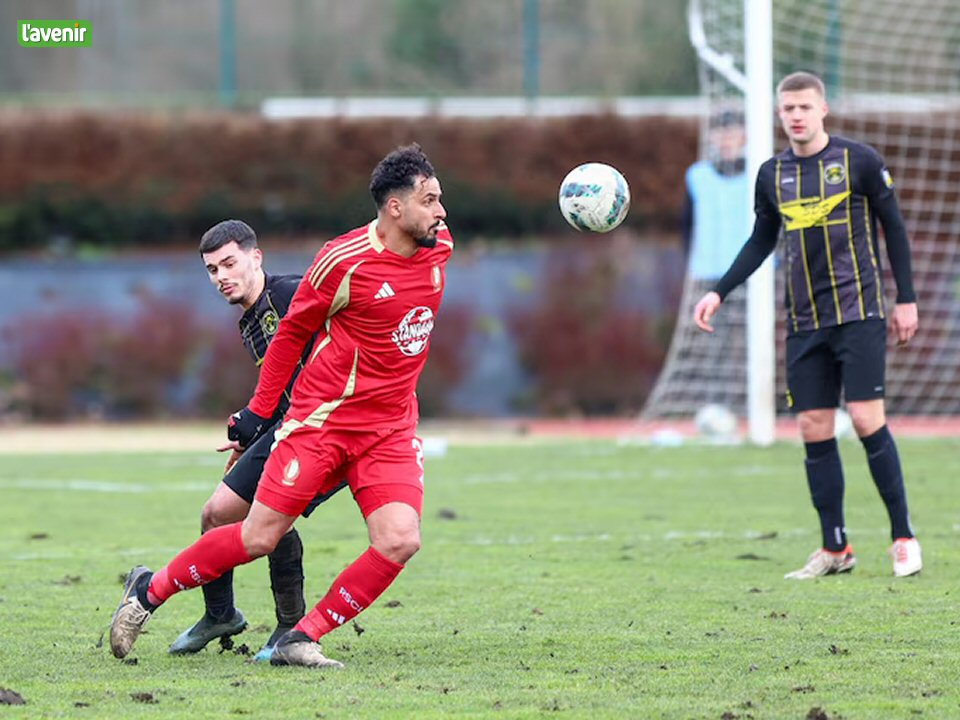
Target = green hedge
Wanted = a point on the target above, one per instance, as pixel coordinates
(125, 179)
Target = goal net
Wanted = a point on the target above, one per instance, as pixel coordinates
(893, 75)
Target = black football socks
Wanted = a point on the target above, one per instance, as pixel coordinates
(286, 579)
(884, 462)
(825, 479)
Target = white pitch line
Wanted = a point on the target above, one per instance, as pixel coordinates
(669, 536)
(655, 473)
(550, 476)
(99, 486)
(85, 553)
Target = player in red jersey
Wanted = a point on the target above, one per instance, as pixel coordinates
(371, 297)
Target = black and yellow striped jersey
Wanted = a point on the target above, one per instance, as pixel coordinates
(826, 208)
(259, 324)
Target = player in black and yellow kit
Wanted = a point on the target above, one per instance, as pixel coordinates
(825, 195)
(234, 264)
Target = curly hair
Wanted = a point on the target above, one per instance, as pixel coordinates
(399, 171)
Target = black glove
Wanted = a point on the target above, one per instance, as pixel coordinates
(245, 426)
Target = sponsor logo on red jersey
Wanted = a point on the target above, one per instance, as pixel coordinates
(412, 334)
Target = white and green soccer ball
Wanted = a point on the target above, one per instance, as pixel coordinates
(594, 197)
(716, 423)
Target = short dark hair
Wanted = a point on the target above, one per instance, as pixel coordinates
(726, 118)
(801, 80)
(399, 171)
(228, 231)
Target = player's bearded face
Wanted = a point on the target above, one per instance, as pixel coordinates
(424, 213)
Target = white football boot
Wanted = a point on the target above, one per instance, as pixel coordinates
(824, 562)
(130, 616)
(295, 648)
(906, 557)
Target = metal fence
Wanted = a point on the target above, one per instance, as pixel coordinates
(238, 52)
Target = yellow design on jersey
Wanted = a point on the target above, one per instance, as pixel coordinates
(808, 212)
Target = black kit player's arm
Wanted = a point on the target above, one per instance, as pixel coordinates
(878, 188)
(762, 241)
(284, 287)
(244, 427)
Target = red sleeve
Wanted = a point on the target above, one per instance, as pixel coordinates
(308, 311)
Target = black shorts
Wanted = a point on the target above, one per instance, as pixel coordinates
(851, 357)
(244, 476)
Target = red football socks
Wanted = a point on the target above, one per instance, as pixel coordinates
(217, 551)
(354, 590)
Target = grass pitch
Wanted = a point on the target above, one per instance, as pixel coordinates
(571, 580)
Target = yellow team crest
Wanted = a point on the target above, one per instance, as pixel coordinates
(269, 323)
(834, 174)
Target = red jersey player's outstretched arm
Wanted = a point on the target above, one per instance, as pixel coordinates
(309, 309)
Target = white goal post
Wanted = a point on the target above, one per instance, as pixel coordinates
(758, 109)
(755, 82)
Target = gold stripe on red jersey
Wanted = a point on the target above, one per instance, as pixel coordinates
(374, 238)
(319, 416)
(322, 344)
(341, 298)
(335, 256)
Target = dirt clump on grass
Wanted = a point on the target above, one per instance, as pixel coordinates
(11, 697)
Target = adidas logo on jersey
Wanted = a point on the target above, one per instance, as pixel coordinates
(385, 291)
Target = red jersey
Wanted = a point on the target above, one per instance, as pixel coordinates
(372, 312)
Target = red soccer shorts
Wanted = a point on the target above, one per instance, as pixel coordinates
(380, 467)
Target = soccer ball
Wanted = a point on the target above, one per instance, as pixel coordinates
(716, 422)
(594, 197)
(843, 424)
